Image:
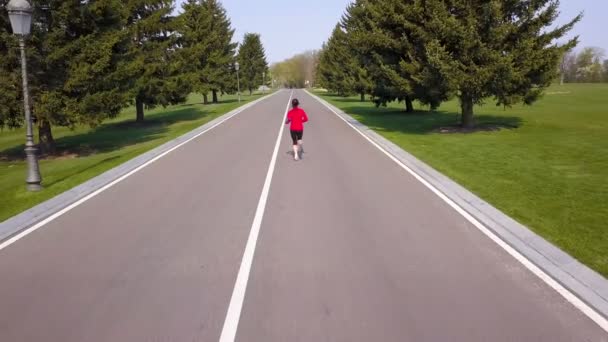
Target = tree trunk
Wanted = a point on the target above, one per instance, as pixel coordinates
(362, 97)
(139, 108)
(409, 105)
(250, 92)
(205, 99)
(215, 96)
(45, 137)
(466, 104)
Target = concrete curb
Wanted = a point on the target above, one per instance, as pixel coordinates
(28, 218)
(588, 285)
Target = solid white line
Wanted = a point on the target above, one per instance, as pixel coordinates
(569, 296)
(40, 224)
(231, 323)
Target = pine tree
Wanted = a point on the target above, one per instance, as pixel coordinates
(219, 63)
(196, 43)
(74, 52)
(339, 70)
(500, 49)
(381, 34)
(154, 73)
(208, 51)
(252, 59)
(11, 107)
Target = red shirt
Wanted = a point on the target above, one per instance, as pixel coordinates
(297, 117)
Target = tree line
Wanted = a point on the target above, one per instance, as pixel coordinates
(433, 50)
(88, 60)
(295, 71)
(586, 66)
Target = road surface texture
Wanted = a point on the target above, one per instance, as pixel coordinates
(351, 248)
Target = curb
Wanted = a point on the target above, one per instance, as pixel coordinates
(586, 284)
(30, 217)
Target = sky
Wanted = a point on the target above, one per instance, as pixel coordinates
(288, 27)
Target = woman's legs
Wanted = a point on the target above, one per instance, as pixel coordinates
(300, 145)
(296, 137)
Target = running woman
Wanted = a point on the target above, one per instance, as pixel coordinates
(297, 117)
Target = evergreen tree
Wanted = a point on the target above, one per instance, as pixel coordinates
(500, 49)
(194, 30)
(219, 64)
(154, 74)
(385, 40)
(252, 60)
(11, 107)
(208, 51)
(74, 52)
(339, 70)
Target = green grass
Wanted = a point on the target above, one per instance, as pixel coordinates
(86, 153)
(549, 170)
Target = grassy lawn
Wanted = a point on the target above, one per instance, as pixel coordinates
(86, 153)
(549, 170)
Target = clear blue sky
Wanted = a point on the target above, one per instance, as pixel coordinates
(289, 27)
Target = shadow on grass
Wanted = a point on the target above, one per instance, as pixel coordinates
(80, 171)
(201, 103)
(220, 101)
(389, 119)
(113, 136)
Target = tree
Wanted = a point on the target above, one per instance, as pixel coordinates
(339, 70)
(155, 75)
(194, 32)
(568, 68)
(388, 45)
(295, 71)
(500, 49)
(589, 65)
(219, 64)
(252, 59)
(74, 53)
(208, 51)
(605, 65)
(11, 111)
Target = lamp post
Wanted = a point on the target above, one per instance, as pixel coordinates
(237, 66)
(20, 15)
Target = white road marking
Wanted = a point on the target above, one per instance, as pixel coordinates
(231, 323)
(42, 223)
(569, 296)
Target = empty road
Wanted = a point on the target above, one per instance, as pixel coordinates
(229, 237)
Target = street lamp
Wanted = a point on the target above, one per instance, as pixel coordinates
(237, 66)
(20, 15)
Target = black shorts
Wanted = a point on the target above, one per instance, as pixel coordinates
(296, 135)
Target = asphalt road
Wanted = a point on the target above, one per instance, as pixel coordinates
(350, 248)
